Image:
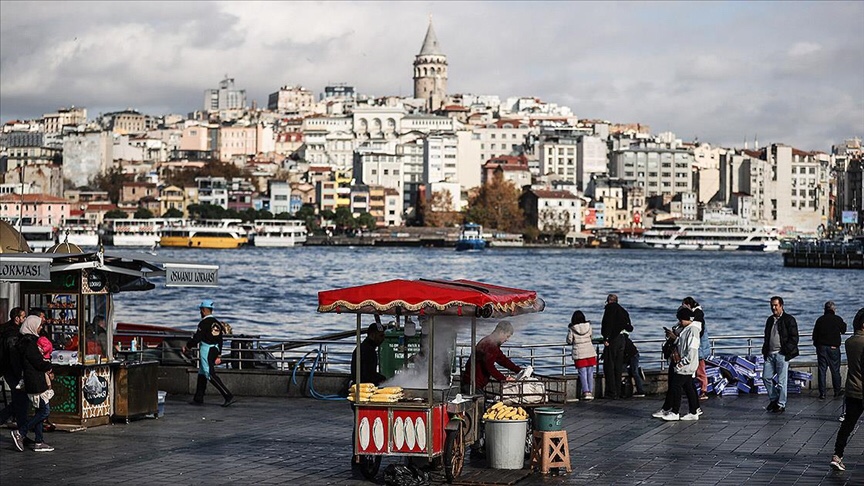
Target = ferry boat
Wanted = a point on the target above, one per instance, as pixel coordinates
(698, 235)
(470, 238)
(206, 233)
(79, 231)
(278, 233)
(39, 237)
(133, 232)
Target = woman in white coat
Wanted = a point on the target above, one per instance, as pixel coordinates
(584, 354)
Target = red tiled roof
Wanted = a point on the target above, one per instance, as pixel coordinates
(553, 194)
(34, 198)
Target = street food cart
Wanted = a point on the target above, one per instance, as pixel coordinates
(76, 289)
(435, 423)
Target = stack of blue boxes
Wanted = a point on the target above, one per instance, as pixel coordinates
(733, 375)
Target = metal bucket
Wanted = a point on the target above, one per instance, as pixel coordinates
(548, 419)
(505, 443)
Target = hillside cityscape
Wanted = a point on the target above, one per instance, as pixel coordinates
(341, 160)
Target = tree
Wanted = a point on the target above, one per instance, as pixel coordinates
(344, 219)
(366, 220)
(307, 214)
(111, 181)
(438, 211)
(143, 213)
(496, 205)
(173, 213)
(116, 214)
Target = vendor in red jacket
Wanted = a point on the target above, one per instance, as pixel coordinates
(488, 354)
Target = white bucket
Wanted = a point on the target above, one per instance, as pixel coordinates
(160, 403)
(505, 443)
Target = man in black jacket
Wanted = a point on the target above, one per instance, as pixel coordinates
(780, 347)
(369, 356)
(615, 320)
(10, 365)
(826, 337)
(208, 338)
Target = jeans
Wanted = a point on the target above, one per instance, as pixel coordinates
(776, 364)
(586, 378)
(613, 366)
(633, 370)
(828, 356)
(36, 420)
(854, 407)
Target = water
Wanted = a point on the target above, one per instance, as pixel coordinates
(273, 292)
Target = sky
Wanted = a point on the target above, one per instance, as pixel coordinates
(719, 72)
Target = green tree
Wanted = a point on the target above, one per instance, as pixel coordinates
(208, 211)
(143, 213)
(366, 220)
(173, 213)
(110, 181)
(496, 205)
(344, 219)
(116, 214)
(307, 214)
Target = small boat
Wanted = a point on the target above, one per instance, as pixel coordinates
(470, 238)
(278, 233)
(133, 232)
(506, 240)
(212, 233)
(79, 231)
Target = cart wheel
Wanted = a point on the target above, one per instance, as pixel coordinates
(454, 454)
(369, 466)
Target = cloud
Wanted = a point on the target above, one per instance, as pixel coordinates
(791, 71)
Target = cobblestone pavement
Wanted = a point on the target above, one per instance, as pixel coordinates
(307, 442)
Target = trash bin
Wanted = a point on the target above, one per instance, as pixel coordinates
(505, 443)
(548, 419)
(160, 404)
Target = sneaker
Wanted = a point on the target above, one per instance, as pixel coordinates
(588, 396)
(638, 395)
(772, 406)
(843, 416)
(671, 417)
(659, 413)
(42, 447)
(229, 402)
(779, 409)
(690, 416)
(703, 397)
(19, 441)
(821, 396)
(837, 463)
(699, 411)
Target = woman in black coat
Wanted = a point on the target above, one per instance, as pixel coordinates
(34, 366)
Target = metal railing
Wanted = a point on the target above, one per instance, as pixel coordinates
(253, 352)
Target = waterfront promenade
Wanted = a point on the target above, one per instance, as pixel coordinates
(299, 441)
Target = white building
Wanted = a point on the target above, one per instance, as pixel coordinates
(656, 169)
(226, 97)
(86, 155)
(292, 99)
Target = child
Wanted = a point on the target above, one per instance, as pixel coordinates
(584, 355)
(46, 348)
(631, 360)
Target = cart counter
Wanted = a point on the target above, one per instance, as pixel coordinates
(400, 429)
(82, 395)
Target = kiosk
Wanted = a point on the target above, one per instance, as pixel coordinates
(76, 290)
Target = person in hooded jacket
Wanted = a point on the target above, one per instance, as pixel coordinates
(685, 368)
(34, 367)
(584, 355)
(704, 345)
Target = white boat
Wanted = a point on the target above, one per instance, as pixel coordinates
(79, 231)
(133, 232)
(278, 233)
(205, 233)
(39, 237)
(697, 235)
(470, 238)
(506, 240)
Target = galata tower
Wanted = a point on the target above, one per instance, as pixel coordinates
(430, 72)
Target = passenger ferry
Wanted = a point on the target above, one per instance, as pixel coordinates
(470, 238)
(79, 231)
(278, 233)
(698, 235)
(133, 232)
(205, 233)
(39, 237)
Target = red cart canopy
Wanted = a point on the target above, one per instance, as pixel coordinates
(431, 297)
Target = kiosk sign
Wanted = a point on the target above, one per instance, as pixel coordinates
(25, 270)
(177, 275)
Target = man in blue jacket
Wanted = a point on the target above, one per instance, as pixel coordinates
(780, 347)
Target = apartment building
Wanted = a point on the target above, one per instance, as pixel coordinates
(40, 209)
(657, 169)
(72, 117)
(553, 212)
(225, 97)
(291, 100)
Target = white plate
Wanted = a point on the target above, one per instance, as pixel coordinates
(378, 433)
(420, 425)
(363, 430)
(399, 433)
(409, 433)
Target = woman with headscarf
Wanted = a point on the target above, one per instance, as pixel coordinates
(34, 366)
